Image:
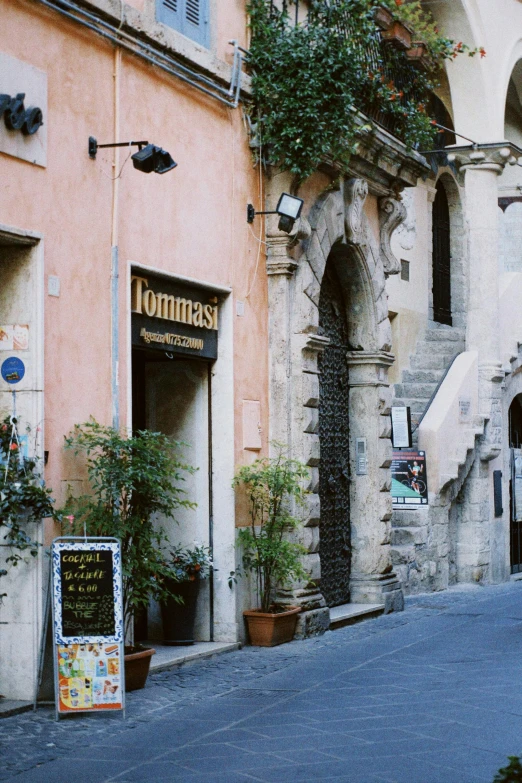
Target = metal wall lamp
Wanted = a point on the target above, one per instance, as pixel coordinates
(148, 158)
(288, 208)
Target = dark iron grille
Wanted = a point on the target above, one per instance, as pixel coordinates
(441, 258)
(374, 55)
(334, 472)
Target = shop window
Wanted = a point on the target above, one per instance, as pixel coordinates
(189, 17)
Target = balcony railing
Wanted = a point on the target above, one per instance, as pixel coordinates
(374, 55)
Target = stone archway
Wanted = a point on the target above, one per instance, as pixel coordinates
(339, 232)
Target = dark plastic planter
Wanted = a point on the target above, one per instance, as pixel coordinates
(178, 619)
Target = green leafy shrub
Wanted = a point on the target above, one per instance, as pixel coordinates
(24, 498)
(510, 774)
(133, 478)
(271, 485)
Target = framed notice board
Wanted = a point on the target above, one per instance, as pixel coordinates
(87, 624)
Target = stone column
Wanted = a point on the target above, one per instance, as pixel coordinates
(372, 577)
(482, 333)
(481, 168)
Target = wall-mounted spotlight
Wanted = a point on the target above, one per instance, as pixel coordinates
(148, 158)
(288, 208)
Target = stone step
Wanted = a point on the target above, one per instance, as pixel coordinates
(409, 517)
(348, 614)
(443, 346)
(417, 405)
(421, 376)
(449, 334)
(429, 361)
(416, 391)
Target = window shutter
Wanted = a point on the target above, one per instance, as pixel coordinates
(189, 17)
(196, 20)
(169, 12)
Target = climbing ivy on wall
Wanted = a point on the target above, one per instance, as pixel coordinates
(310, 79)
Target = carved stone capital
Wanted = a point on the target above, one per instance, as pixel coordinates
(355, 192)
(281, 266)
(490, 157)
(391, 214)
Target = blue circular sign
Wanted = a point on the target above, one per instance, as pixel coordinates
(13, 369)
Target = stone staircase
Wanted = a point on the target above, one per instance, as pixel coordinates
(432, 358)
(410, 534)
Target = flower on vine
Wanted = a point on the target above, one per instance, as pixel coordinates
(482, 51)
(13, 446)
(70, 518)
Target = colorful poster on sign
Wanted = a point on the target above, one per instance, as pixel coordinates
(409, 480)
(87, 624)
(89, 677)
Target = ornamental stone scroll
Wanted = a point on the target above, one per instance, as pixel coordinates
(355, 192)
(391, 214)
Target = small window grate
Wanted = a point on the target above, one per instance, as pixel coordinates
(172, 5)
(192, 11)
(405, 270)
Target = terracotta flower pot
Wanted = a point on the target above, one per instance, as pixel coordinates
(383, 18)
(418, 55)
(267, 629)
(137, 664)
(398, 35)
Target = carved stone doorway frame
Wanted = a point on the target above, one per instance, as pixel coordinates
(337, 229)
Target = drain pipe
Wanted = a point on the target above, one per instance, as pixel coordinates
(115, 306)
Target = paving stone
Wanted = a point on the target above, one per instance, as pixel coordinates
(361, 704)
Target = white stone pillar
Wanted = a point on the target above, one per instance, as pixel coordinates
(481, 168)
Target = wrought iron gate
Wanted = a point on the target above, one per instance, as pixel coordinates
(334, 472)
(441, 258)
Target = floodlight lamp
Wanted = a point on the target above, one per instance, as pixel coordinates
(288, 208)
(152, 158)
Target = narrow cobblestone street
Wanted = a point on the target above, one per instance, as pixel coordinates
(430, 695)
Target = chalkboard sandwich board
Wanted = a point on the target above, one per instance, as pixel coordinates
(87, 624)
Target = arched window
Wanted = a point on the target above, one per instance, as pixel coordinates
(441, 258)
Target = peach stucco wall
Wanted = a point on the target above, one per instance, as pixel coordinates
(190, 221)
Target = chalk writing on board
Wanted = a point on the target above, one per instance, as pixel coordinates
(87, 589)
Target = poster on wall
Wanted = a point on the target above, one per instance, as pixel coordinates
(87, 624)
(409, 480)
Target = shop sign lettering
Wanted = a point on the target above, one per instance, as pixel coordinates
(156, 304)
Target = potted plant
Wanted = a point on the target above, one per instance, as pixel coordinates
(134, 479)
(273, 486)
(24, 498)
(178, 609)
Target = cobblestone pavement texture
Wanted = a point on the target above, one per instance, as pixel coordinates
(430, 695)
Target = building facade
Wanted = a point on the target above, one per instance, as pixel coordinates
(140, 296)
(148, 301)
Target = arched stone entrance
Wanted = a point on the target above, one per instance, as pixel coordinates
(340, 238)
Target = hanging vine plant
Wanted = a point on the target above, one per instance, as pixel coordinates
(311, 79)
(24, 498)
